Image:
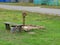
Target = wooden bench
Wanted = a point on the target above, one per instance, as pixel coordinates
(13, 27)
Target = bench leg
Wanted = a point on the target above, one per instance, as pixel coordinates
(7, 26)
(13, 29)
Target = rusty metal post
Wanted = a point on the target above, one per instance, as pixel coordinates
(24, 15)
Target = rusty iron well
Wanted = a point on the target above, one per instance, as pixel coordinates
(24, 14)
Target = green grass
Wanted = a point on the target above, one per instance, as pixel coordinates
(31, 4)
(48, 36)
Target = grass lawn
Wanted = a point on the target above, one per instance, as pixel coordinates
(31, 4)
(48, 36)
